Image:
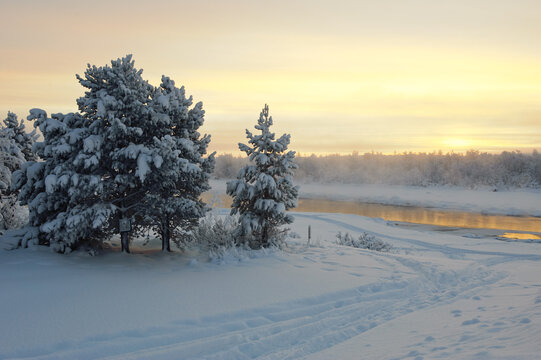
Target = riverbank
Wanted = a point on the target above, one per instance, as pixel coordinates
(517, 202)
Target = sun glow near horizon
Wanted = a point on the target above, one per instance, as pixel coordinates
(340, 77)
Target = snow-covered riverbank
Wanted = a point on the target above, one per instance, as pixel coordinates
(487, 201)
(436, 295)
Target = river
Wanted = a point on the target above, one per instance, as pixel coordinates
(528, 227)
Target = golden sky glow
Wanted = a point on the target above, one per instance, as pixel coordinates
(340, 76)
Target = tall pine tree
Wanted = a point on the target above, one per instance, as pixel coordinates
(133, 152)
(264, 190)
(116, 107)
(174, 189)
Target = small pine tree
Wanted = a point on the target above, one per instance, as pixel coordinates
(15, 130)
(15, 150)
(11, 159)
(264, 191)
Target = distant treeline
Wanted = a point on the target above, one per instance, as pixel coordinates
(472, 169)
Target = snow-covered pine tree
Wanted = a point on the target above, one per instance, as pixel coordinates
(56, 189)
(11, 158)
(15, 149)
(15, 130)
(35, 181)
(76, 178)
(116, 106)
(264, 191)
(94, 162)
(132, 152)
(174, 188)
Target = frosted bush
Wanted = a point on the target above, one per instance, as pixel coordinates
(214, 235)
(217, 237)
(364, 241)
(12, 215)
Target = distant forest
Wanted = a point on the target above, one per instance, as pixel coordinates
(472, 169)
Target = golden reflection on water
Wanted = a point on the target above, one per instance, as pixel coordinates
(411, 214)
(521, 236)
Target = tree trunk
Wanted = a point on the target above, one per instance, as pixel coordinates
(265, 237)
(166, 245)
(125, 241)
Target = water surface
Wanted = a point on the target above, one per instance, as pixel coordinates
(410, 214)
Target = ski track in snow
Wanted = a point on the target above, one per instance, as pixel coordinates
(297, 328)
(304, 327)
(288, 330)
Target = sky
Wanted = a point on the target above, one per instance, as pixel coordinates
(339, 76)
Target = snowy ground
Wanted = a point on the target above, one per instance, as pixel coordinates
(437, 295)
